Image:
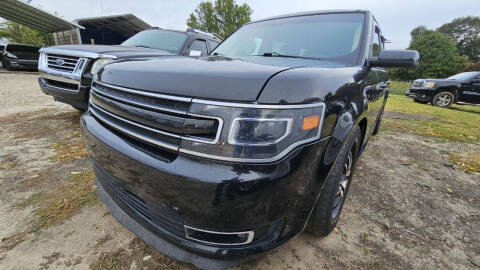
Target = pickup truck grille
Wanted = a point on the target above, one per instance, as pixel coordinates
(156, 119)
(64, 63)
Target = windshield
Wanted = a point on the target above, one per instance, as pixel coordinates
(334, 37)
(158, 39)
(463, 76)
(22, 48)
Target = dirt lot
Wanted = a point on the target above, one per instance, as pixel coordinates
(409, 205)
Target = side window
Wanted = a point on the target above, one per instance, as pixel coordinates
(198, 48)
(375, 44)
(212, 44)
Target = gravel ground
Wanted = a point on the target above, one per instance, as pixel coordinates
(408, 206)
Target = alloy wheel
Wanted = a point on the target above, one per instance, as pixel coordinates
(342, 186)
(443, 100)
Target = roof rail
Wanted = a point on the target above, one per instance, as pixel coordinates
(212, 35)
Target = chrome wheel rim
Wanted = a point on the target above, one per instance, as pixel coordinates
(342, 187)
(443, 100)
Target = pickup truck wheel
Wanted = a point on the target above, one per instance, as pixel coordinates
(421, 101)
(443, 99)
(329, 206)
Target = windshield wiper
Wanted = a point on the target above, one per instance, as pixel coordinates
(275, 54)
(142, 46)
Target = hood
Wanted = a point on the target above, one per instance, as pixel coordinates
(217, 78)
(114, 50)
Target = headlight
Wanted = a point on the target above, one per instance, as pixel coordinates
(11, 55)
(259, 133)
(97, 65)
(428, 84)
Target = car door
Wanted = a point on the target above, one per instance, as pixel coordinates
(198, 48)
(470, 91)
(377, 81)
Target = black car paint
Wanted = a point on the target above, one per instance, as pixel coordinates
(23, 60)
(466, 91)
(80, 98)
(227, 196)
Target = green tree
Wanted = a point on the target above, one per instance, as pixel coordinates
(466, 33)
(439, 57)
(221, 16)
(417, 32)
(18, 33)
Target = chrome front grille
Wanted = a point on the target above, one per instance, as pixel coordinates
(159, 120)
(64, 63)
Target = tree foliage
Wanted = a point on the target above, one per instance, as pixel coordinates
(19, 33)
(417, 32)
(221, 16)
(466, 33)
(439, 58)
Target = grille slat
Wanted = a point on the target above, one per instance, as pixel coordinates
(69, 62)
(150, 117)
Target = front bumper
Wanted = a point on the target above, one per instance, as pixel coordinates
(22, 64)
(64, 89)
(421, 94)
(163, 195)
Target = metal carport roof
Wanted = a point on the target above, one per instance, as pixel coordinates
(126, 24)
(35, 18)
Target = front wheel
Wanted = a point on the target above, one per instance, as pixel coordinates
(443, 99)
(330, 204)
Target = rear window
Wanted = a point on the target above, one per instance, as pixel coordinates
(22, 48)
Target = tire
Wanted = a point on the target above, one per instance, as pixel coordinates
(329, 206)
(78, 108)
(379, 122)
(443, 99)
(421, 101)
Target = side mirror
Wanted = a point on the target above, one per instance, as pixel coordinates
(195, 53)
(395, 58)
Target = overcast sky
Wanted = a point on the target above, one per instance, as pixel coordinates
(396, 17)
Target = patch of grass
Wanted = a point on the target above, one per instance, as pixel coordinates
(399, 87)
(458, 123)
(63, 202)
(138, 253)
(469, 161)
(67, 151)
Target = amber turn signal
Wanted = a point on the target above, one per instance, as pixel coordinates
(310, 122)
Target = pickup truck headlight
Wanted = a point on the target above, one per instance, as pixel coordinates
(98, 64)
(428, 84)
(259, 133)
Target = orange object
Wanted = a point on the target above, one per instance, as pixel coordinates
(310, 122)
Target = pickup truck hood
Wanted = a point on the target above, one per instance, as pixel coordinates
(113, 50)
(209, 78)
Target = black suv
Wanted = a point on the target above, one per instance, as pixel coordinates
(463, 88)
(215, 159)
(66, 71)
(19, 56)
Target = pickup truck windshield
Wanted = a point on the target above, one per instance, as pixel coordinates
(157, 39)
(333, 37)
(463, 76)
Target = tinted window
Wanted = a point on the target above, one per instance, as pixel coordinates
(199, 45)
(22, 48)
(375, 43)
(335, 37)
(158, 39)
(463, 76)
(212, 44)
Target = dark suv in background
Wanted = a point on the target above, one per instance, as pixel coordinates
(463, 88)
(19, 56)
(216, 159)
(66, 71)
